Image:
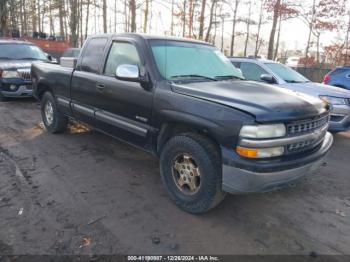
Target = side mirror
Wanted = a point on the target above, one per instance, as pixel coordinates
(128, 73)
(49, 57)
(268, 78)
(70, 62)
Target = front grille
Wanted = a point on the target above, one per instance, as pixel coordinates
(307, 125)
(24, 74)
(337, 118)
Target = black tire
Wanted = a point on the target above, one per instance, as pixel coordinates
(59, 122)
(3, 98)
(207, 158)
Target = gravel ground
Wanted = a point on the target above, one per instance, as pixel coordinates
(84, 193)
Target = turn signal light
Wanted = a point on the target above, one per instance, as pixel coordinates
(260, 152)
(247, 152)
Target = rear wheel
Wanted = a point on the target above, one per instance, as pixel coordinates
(54, 121)
(190, 166)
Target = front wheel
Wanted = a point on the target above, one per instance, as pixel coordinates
(190, 167)
(54, 121)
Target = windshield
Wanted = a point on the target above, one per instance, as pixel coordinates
(286, 73)
(182, 60)
(21, 51)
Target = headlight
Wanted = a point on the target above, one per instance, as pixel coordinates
(334, 100)
(263, 131)
(9, 74)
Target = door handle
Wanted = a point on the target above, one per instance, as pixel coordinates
(100, 87)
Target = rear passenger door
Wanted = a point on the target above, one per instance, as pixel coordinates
(124, 107)
(84, 85)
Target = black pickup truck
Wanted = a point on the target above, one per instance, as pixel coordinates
(183, 101)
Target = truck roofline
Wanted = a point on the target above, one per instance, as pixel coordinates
(151, 37)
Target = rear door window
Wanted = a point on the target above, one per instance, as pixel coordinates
(93, 55)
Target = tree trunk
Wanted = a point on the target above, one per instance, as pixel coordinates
(132, 6)
(248, 28)
(25, 26)
(273, 29)
(190, 18)
(60, 16)
(73, 22)
(215, 25)
(234, 27)
(184, 18)
(310, 29)
(259, 28)
(87, 18)
(212, 8)
(318, 49)
(278, 39)
(104, 11)
(39, 18)
(201, 20)
(146, 17)
(347, 42)
(21, 18)
(172, 18)
(3, 17)
(33, 11)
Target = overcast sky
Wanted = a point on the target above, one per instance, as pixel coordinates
(294, 31)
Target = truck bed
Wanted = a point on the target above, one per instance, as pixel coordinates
(52, 75)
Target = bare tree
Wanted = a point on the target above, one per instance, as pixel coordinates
(104, 8)
(234, 20)
(259, 28)
(132, 7)
(276, 13)
(201, 19)
(145, 21)
(3, 17)
(248, 22)
(211, 20)
(74, 18)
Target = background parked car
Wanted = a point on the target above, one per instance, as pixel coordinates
(70, 52)
(293, 61)
(16, 58)
(283, 76)
(339, 77)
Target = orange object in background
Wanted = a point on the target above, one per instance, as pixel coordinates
(54, 48)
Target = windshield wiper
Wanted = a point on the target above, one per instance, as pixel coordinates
(294, 82)
(229, 77)
(194, 76)
(28, 58)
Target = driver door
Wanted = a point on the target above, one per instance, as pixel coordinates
(125, 108)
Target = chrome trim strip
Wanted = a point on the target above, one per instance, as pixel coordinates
(315, 135)
(63, 102)
(121, 123)
(83, 110)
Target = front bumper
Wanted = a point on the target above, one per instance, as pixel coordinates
(340, 118)
(23, 89)
(238, 180)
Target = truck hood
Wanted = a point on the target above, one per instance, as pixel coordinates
(265, 102)
(316, 89)
(15, 64)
